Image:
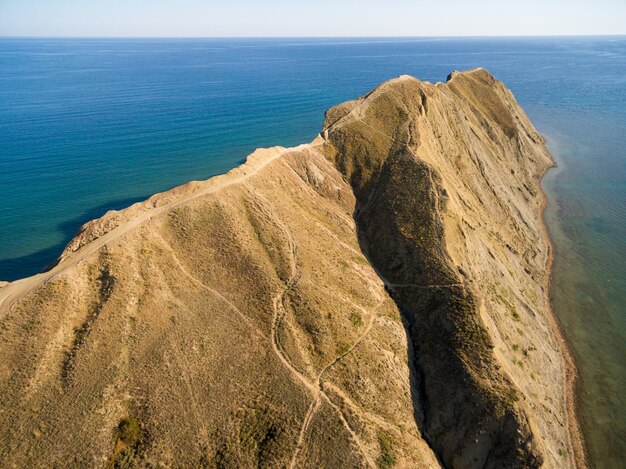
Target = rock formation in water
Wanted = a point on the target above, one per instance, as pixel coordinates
(374, 298)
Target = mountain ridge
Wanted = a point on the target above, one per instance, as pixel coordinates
(389, 172)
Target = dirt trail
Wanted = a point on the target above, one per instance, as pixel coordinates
(212, 291)
(321, 394)
(315, 387)
(13, 291)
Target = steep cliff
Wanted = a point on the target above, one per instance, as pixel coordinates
(374, 298)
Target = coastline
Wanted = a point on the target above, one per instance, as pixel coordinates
(114, 222)
(580, 456)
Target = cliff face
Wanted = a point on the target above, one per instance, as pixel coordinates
(374, 298)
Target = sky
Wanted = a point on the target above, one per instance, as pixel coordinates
(257, 18)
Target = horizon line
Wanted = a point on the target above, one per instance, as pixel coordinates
(463, 36)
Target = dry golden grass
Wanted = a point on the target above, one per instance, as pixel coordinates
(244, 321)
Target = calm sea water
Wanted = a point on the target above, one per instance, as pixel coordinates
(88, 125)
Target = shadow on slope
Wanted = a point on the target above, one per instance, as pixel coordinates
(464, 407)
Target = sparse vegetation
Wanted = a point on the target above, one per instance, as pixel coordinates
(129, 438)
(227, 307)
(255, 437)
(387, 458)
(360, 260)
(356, 319)
(104, 284)
(343, 348)
(501, 299)
(510, 395)
(129, 432)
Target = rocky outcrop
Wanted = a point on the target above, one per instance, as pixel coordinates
(374, 298)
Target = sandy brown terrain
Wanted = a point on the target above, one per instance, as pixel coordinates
(376, 298)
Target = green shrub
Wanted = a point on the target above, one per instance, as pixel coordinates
(129, 438)
(343, 348)
(129, 432)
(357, 320)
(387, 458)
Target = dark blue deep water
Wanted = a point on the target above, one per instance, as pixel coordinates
(88, 125)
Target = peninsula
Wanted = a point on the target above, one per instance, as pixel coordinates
(376, 298)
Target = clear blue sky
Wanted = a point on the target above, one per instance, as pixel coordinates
(310, 18)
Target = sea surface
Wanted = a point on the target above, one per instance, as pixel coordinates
(88, 125)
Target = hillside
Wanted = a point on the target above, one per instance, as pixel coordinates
(376, 298)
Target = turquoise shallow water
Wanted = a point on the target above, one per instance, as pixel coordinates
(587, 224)
(87, 125)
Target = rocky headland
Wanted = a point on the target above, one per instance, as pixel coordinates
(376, 298)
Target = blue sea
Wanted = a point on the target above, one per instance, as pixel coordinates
(88, 125)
